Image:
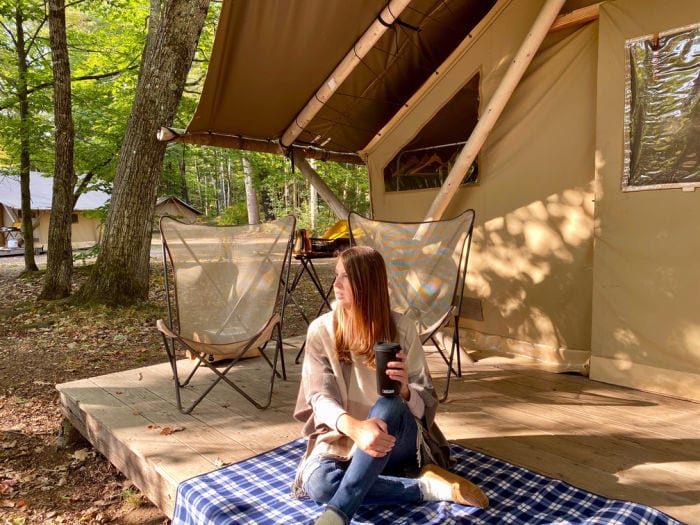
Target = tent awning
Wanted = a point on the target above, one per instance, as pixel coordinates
(270, 57)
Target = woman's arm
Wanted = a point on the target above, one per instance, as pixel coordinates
(370, 435)
(319, 402)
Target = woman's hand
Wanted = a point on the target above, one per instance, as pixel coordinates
(370, 435)
(396, 370)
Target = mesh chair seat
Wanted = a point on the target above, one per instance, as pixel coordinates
(225, 300)
(221, 351)
(426, 268)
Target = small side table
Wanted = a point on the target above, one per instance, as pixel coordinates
(307, 267)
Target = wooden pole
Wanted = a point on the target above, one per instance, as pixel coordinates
(263, 146)
(321, 187)
(493, 110)
(387, 17)
(576, 18)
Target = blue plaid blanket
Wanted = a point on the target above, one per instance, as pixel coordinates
(256, 491)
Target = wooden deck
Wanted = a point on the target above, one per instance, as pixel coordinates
(617, 442)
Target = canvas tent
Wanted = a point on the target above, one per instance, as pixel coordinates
(85, 231)
(176, 208)
(568, 269)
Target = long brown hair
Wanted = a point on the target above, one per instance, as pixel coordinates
(369, 318)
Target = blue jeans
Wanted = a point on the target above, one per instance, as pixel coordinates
(344, 485)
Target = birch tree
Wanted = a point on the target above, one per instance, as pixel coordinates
(251, 196)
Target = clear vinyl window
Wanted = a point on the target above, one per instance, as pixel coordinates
(662, 110)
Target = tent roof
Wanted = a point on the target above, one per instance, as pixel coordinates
(41, 191)
(175, 200)
(271, 56)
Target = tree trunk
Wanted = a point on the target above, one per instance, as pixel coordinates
(295, 193)
(313, 200)
(59, 262)
(286, 191)
(202, 204)
(120, 274)
(321, 187)
(251, 197)
(24, 160)
(184, 191)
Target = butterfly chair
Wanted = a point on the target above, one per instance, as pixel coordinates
(225, 303)
(426, 266)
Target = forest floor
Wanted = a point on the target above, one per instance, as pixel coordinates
(46, 343)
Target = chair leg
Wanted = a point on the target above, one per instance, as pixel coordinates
(442, 352)
(280, 350)
(172, 359)
(223, 377)
(301, 351)
(456, 348)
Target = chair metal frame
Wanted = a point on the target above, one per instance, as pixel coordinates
(272, 329)
(376, 227)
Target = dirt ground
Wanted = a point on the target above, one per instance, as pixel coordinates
(42, 344)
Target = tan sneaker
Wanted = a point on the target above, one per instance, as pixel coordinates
(442, 485)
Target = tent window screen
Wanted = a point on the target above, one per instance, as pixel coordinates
(662, 114)
(426, 161)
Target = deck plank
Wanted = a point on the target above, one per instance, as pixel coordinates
(614, 441)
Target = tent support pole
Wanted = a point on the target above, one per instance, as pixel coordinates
(321, 187)
(387, 17)
(493, 110)
(166, 134)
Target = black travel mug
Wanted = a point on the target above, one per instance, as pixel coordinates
(383, 353)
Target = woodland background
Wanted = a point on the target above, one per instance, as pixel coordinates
(109, 106)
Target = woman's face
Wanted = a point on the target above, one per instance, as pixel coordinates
(341, 286)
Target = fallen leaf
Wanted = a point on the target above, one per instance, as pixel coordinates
(169, 430)
(80, 455)
(153, 427)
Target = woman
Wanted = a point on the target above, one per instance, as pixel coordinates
(364, 448)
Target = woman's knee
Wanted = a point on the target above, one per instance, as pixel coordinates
(390, 409)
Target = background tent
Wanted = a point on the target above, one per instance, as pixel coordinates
(568, 269)
(86, 230)
(176, 208)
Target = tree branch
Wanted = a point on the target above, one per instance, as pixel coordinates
(46, 85)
